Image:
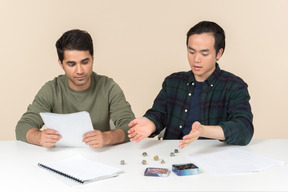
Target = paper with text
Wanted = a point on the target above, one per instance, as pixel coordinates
(71, 127)
(233, 161)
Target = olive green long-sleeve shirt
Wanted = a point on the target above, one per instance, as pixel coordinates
(104, 100)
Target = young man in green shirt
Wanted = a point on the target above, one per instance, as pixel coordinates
(80, 89)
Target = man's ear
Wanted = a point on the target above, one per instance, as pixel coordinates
(60, 63)
(219, 54)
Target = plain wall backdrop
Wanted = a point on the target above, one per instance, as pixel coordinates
(140, 42)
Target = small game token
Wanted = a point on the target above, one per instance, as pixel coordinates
(162, 162)
(156, 158)
(172, 154)
(122, 162)
(144, 162)
(176, 151)
(144, 154)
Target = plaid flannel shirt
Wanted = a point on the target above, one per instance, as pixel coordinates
(224, 102)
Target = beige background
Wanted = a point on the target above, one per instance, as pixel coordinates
(138, 43)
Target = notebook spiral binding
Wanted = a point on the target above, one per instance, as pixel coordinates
(61, 173)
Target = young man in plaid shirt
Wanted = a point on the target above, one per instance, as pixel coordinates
(206, 102)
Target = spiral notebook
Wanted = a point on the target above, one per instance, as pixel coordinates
(80, 169)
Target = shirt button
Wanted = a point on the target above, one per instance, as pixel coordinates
(180, 126)
(186, 110)
(187, 84)
(193, 83)
(211, 85)
(189, 94)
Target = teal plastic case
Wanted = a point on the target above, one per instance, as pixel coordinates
(185, 169)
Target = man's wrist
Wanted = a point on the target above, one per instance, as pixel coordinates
(113, 137)
(33, 136)
(201, 130)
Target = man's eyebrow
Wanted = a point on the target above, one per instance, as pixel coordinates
(86, 59)
(203, 50)
(73, 62)
(70, 62)
(191, 48)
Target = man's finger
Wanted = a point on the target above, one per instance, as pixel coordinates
(132, 123)
(50, 131)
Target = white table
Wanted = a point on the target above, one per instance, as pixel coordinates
(19, 170)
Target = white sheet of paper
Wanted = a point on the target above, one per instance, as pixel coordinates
(233, 161)
(71, 127)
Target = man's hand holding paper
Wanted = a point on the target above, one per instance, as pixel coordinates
(71, 129)
(95, 139)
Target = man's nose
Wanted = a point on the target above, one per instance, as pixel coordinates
(197, 58)
(79, 68)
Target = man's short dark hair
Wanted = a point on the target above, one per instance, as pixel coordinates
(209, 27)
(74, 40)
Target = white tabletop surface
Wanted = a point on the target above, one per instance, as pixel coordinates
(19, 170)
